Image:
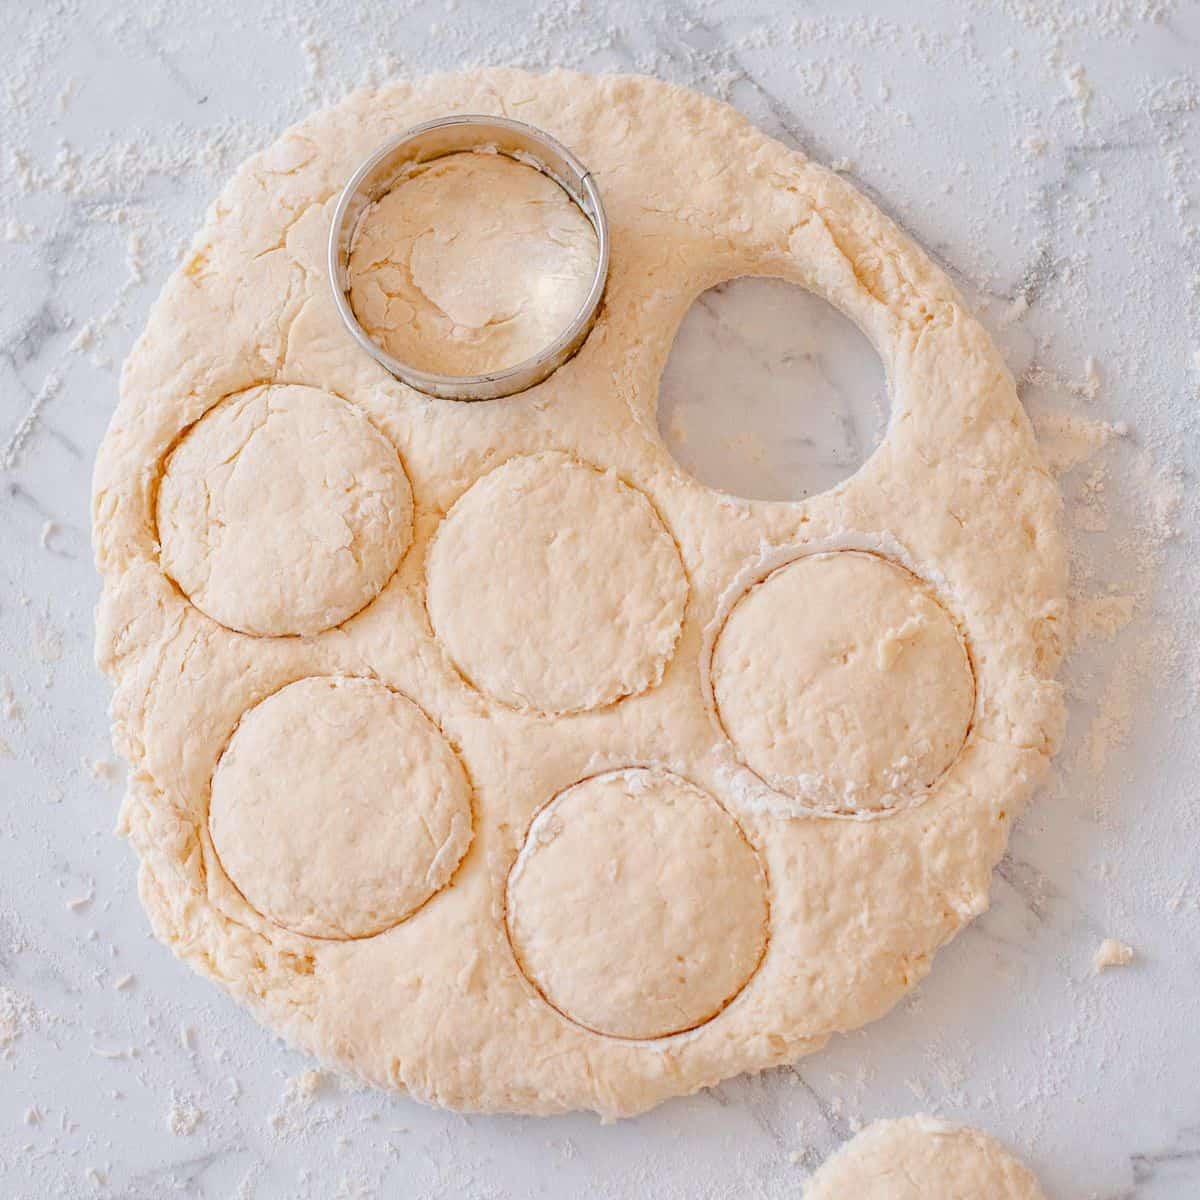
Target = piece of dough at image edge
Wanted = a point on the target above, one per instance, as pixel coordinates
(921, 1158)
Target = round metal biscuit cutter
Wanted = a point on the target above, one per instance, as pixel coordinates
(454, 135)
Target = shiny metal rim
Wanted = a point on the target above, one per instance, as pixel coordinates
(454, 135)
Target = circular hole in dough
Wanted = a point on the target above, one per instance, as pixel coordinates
(770, 392)
(555, 587)
(283, 510)
(338, 808)
(636, 906)
(919, 1158)
(473, 263)
(841, 681)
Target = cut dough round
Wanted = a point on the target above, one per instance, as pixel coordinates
(842, 681)
(636, 907)
(283, 510)
(338, 809)
(473, 263)
(555, 587)
(919, 1158)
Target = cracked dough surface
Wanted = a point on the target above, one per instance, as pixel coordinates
(282, 511)
(473, 263)
(560, 501)
(920, 1158)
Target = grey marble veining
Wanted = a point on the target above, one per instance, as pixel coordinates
(1048, 156)
(771, 393)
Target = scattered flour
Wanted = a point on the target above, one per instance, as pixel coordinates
(104, 770)
(47, 643)
(297, 1113)
(1067, 440)
(1079, 88)
(17, 1016)
(1119, 699)
(1100, 617)
(8, 701)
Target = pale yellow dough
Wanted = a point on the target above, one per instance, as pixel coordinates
(283, 511)
(338, 809)
(842, 681)
(554, 622)
(474, 263)
(555, 586)
(920, 1158)
(636, 907)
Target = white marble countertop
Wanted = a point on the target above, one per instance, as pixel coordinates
(1047, 154)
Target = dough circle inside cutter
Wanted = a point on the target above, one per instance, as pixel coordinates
(473, 263)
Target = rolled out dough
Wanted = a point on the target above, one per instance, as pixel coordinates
(478, 748)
